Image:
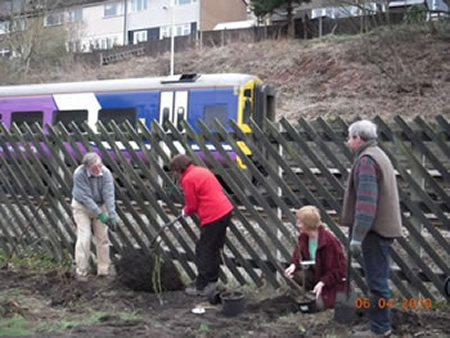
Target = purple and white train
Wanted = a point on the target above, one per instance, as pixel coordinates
(189, 97)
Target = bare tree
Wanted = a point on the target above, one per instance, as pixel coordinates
(35, 36)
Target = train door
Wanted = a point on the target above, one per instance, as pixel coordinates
(173, 108)
(264, 103)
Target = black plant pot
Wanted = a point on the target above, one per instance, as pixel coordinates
(232, 303)
(307, 303)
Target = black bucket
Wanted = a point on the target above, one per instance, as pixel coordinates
(232, 303)
(307, 303)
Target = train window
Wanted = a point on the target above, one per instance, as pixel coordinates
(66, 117)
(119, 115)
(180, 117)
(28, 117)
(248, 93)
(215, 112)
(247, 112)
(165, 118)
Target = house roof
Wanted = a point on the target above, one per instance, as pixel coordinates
(70, 3)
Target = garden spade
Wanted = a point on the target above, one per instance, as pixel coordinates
(344, 308)
(447, 287)
(158, 234)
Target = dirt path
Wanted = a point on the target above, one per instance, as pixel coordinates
(54, 302)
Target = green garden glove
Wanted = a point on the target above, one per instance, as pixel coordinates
(112, 223)
(102, 217)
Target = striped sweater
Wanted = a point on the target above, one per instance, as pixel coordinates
(366, 187)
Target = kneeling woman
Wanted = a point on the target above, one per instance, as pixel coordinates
(316, 243)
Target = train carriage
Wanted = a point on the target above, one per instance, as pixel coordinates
(190, 97)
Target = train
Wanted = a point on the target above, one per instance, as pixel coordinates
(191, 97)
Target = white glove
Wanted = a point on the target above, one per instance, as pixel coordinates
(318, 289)
(289, 272)
(183, 213)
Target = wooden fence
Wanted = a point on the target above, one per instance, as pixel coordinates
(290, 166)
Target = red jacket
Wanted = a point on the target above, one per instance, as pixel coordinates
(203, 195)
(330, 267)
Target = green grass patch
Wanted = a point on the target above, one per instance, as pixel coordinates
(35, 259)
(19, 326)
(14, 327)
(68, 324)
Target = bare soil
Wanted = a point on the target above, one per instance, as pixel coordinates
(55, 296)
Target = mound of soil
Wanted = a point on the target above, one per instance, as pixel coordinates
(147, 271)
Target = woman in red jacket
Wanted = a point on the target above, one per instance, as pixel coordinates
(316, 243)
(203, 195)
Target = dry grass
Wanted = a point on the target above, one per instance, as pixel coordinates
(389, 72)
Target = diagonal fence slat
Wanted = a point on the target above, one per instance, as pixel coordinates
(408, 177)
(83, 143)
(425, 151)
(15, 210)
(311, 198)
(263, 202)
(183, 137)
(153, 203)
(237, 189)
(22, 165)
(324, 170)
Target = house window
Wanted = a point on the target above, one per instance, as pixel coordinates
(66, 117)
(74, 46)
(75, 15)
(53, 19)
(112, 9)
(18, 25)
(186, 29)
(180, 30)
(139, 36)
(138, 5)
(185, 2)
(4, 27)
(165, 32)
(28, 117)
(118, 115)
(108, 43)
(5, 52)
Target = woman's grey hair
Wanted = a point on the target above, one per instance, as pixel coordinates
(90, 159)
(365, 129)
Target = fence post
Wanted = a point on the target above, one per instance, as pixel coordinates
(320, 26)
(415, 198)
(273, 163)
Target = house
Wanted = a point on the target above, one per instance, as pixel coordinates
(335, 9)
(97, 24)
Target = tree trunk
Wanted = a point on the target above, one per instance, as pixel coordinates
(290, 21)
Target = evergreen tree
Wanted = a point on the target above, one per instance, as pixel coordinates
(262, 8)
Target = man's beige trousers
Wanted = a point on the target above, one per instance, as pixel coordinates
(84, 218)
